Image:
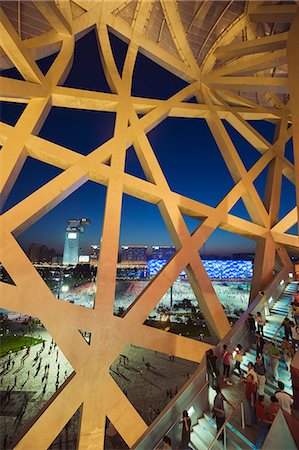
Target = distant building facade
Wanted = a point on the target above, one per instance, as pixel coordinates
(73, 244)
(34, 250)
(94, 254)
(163, 251)
(134, 254)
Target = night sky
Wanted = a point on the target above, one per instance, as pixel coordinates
(185, 149)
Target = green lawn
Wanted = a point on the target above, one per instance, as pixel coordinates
(15, 343)
(179, 328)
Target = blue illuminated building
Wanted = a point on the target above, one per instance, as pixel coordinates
(216, 269)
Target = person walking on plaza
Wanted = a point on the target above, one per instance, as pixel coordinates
(260, 370)
(274, 354)
(186, 430)
(285, 401)
(264, 421)
(260, 342)
(219, 411)
(226, 358)
(288, 352)
(250, 393)
(260, 323)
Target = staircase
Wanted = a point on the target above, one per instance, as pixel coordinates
(280, 309)
(204, 431)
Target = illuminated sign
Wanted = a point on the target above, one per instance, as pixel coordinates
(84, 258)
(72, 235)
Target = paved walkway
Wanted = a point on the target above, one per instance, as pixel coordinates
(29, 378)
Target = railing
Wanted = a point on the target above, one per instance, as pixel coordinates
(176, 423)
(184, 400)
(223, 428)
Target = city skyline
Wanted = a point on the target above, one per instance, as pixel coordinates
(83, 131)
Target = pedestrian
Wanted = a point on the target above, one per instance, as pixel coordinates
(239, 358)
(212, 369)
(166, 443)
(285, 401)
(252, 329)
(250, 393)
(295, 311)
(295, 335)
(287, 328)
(260, 323)
(274, 408)
(260, 342)
(226, 359)
(263, 421)
(274, 354)
(260, 370)
(186, 430)
(252, 372)
(288, 352)
(219, 411)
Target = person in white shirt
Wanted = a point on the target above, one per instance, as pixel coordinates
(285, 401)
(252, 372)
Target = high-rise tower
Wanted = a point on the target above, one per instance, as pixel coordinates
(73, 244)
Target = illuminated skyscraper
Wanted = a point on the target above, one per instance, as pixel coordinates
(73, 244)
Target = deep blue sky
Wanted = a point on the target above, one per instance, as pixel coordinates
(185, 149)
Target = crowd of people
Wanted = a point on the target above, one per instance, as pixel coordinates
(259, 412)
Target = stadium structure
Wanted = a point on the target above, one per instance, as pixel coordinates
(241, 62)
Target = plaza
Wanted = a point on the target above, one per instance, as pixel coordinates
(159, 124)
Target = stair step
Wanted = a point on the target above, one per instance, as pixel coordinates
(237, 437)
(199, 436)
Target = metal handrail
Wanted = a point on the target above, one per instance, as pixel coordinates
(279, 328)
(174, 424)
(223, 428)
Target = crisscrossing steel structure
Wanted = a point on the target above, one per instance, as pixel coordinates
(236, 82)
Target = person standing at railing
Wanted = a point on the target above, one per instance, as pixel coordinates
(264, 421)
(252, 328)
(212, 369)
(186, 430)
(226, 358)
(274, 354)
(260, 323)
(219, 411)
(250, 393)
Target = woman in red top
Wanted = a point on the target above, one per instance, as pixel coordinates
(250, 390)
(274, 407)
(263, 421)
